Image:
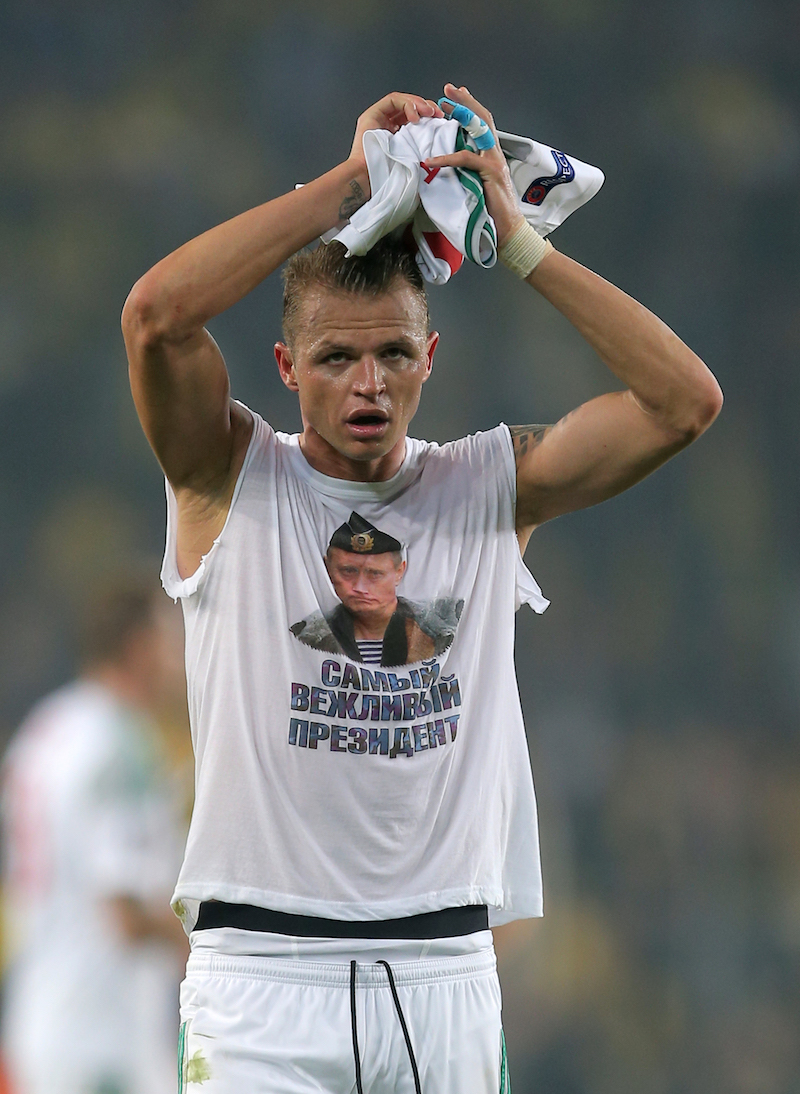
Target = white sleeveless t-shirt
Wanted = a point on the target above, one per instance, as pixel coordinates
(330, 786)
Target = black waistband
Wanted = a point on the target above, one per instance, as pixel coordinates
(446, 923)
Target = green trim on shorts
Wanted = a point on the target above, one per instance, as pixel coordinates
(181, 1056)
(505, 1078)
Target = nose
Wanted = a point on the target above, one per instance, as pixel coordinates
(369, 380)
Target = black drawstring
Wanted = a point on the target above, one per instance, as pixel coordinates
(400, 1015)
(354, 1026)
(403, 1026)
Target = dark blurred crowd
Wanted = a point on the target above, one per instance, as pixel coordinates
(662, 687)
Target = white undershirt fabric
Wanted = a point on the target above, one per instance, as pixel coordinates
(329, 787)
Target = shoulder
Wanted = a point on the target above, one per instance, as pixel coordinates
(434, 616)
(262, 456)
(315, 631)
(478, 466)
(476, 449)
(436, 619)
(264, 446)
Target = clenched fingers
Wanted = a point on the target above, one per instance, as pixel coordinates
(399, 108)
(463, 96)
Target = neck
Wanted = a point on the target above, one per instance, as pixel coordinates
(326, 459)
(371, 626)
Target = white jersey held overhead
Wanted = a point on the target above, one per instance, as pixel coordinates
(364, 791)
(445, 208)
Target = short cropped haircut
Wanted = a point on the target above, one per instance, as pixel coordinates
(114, 614)
(374, 273)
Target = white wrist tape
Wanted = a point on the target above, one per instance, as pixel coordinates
(524, 250)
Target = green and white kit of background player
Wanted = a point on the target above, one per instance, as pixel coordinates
(88, 816)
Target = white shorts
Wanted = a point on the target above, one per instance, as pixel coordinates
(285, 1025)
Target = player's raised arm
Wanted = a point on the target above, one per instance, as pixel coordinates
(613, 441)
(178, 375)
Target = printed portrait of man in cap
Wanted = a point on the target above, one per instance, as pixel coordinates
(372, 623)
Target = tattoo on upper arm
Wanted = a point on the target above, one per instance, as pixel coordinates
(525, 438)
(352, 202)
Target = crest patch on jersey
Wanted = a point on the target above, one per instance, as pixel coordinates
(541, 187)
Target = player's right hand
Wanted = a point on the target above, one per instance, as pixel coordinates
(501, 198)
(391, 112)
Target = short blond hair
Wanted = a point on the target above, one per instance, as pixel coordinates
(374, 273)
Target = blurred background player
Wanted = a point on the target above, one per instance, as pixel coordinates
(93, 837)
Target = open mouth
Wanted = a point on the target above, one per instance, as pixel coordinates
(368, 423)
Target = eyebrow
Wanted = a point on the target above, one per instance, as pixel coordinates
(325, 347)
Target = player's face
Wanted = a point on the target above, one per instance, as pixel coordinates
(358, 364)
(365, 584)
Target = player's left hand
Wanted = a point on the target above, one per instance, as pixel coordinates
(501, 198)
(391, 112)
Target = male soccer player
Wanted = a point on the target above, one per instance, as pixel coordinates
(359, 827)
(92, 837)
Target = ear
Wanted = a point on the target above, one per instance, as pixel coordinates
(283, 355)
(433, 342)
(400, 571)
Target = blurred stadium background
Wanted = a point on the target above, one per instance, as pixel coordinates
(662, 687)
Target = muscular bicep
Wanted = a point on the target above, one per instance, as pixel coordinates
(595, 452)
(182, 396)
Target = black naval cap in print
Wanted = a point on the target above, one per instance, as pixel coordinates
(363, 538)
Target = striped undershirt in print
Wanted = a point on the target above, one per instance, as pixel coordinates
(371, 652)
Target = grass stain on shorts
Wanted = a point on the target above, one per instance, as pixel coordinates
(197, 1069)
